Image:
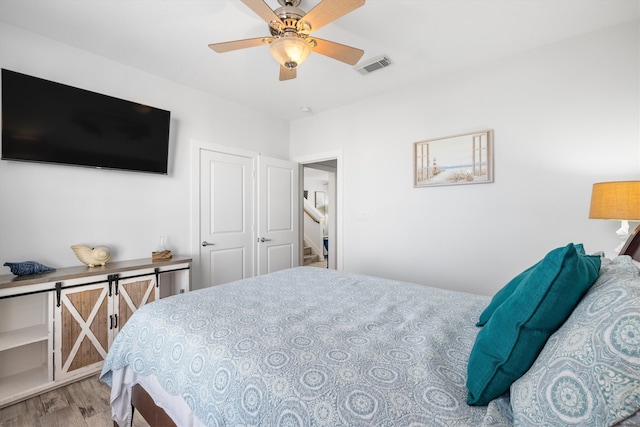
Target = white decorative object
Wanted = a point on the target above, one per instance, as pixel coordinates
(92, 256)
(161, 246)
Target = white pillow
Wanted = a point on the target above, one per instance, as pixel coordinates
(588, 372)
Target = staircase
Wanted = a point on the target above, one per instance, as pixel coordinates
(309, 256)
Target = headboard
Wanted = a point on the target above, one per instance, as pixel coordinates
(632, 245)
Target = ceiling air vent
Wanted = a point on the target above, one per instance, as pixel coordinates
(373, 64)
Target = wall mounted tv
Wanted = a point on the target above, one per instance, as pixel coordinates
(45, 121)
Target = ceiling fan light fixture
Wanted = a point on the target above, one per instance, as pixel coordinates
(290, 51)
(290, 27)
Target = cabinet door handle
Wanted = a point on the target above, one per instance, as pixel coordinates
(116, 325)
(111, 321)
(205, 243)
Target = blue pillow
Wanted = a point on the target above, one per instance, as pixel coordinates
(517, 330)
(504, 293)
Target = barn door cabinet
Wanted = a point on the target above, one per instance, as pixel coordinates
(90, 316)
(57, 327)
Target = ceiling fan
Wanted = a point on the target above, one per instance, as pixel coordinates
(290, 42)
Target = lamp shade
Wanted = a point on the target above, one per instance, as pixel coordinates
(619, 200)
(290, 51)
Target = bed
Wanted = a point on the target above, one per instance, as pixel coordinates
(317, 347)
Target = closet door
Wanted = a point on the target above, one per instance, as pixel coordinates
(226, 217)
(277, 214)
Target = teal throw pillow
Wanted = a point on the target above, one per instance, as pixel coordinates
(504, 293)
(510, 341)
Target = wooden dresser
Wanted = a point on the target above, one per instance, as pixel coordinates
(56, 327)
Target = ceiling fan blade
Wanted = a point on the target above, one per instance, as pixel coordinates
(329, 10)
(347, 54)
(239, 44)
(263, 10)
(287, 73)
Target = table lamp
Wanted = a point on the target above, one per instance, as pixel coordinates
(618, 200)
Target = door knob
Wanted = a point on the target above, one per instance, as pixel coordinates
(265, 240)
(205, 243)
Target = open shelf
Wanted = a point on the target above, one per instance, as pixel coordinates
(22, 382)
(23, 336)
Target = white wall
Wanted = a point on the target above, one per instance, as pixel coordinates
(315, 180)
(565, 116)
(44, 209)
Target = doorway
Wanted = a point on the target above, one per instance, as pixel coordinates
(324, 172)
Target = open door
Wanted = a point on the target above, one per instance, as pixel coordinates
(330, 170)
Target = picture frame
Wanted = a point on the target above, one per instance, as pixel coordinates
(320, 202)
(454, 160)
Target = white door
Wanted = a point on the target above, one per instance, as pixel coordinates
(277, 215)
(226, 217)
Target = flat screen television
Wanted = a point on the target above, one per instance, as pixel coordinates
(45, 121)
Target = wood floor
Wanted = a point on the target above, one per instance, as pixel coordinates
(81, 404)
(321, 264)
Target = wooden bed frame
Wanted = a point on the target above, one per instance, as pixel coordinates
(152, 413)
(632, 245)
(157, 417)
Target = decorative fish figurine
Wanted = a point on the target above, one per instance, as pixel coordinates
(27, 267)
(92, 256)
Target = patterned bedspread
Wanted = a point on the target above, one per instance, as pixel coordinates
(310, 347)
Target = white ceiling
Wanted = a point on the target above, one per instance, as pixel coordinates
(424, 39)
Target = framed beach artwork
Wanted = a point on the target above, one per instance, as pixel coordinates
(453, 160)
